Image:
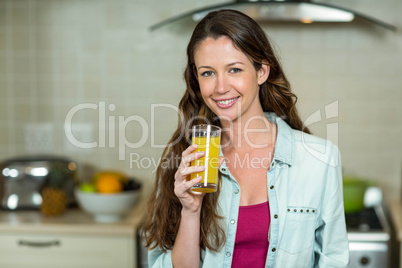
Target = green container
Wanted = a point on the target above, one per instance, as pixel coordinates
(353, 194)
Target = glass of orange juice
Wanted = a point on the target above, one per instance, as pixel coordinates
(208, 139)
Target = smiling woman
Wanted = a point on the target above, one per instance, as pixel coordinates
(229, 83)
(277, 204)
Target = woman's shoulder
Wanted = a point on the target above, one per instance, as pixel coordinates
(316, 148)
(295, 136)
(301, 137)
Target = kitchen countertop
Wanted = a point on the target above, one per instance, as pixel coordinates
(395, 208)
(72, 221)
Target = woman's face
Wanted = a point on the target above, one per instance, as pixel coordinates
(228, 80)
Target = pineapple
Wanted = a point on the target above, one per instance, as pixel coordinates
(54, 199)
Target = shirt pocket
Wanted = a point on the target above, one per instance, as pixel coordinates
(299, 229)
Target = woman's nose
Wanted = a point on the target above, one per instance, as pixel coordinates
(222, 85)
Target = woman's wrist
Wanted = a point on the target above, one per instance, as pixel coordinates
(191, 213)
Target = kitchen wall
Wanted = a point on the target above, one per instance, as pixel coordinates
(95, 66)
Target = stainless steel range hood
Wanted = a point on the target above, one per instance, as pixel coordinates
(302, 11)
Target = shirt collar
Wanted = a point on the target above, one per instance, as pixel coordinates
(223, 168)
(284, 139)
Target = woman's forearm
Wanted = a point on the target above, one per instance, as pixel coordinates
(186, 249)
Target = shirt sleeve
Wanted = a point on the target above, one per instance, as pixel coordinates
(159, 259)
(331, 247)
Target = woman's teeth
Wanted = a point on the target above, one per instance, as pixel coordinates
(227, 101)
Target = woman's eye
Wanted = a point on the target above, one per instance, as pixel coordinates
(207, 73)
(235, 70)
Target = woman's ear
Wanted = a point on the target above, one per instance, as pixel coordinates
(263, 73)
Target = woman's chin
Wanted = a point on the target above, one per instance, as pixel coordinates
(227, 118)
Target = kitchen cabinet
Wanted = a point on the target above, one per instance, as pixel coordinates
(51, 250)
(74, 239)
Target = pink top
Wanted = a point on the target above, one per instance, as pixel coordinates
(251, 243)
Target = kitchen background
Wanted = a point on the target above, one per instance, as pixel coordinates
(101, 56)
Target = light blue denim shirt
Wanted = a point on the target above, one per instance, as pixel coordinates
(304, 185)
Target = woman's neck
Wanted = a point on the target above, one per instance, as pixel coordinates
(253, 133)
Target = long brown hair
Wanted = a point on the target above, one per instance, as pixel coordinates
(163, 215)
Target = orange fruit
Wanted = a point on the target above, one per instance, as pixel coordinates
(108, 184)
(121, 176)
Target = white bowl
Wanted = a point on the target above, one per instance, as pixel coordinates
(107, 207)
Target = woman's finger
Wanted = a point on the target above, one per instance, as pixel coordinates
(182, 187)
(189, 149)
(185, 153)
(191, 157)
(185, 171)
(190, 184)
(193, 182)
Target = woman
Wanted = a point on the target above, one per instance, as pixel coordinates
(278, 204)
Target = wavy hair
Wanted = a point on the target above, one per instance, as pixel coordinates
(163, 216)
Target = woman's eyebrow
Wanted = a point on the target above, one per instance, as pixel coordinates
(234, 63)
(206, 67)
(230, 64)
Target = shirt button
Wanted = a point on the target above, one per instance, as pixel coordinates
(275, 216)
(228, 254)
(223, 169)
(271, 187)
(273, 250)
(236, 191)
(273, 164)
(232, 221)
(295, 210)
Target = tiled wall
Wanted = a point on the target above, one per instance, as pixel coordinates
(55, 55)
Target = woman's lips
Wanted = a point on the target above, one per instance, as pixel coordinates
(227, 103)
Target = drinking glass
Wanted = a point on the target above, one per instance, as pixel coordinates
(208, 139)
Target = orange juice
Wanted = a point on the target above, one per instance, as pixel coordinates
(210, 161)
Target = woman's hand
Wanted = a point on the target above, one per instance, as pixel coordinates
(191, 201)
